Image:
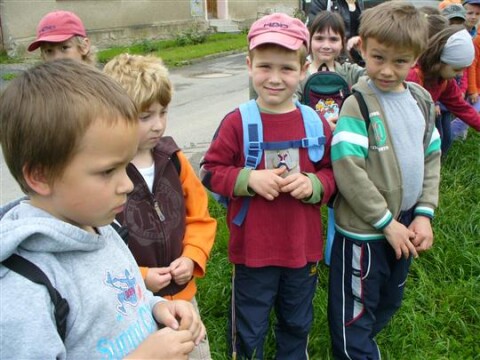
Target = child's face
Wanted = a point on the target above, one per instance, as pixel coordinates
(387, 66)
(68, 49)
(326, 46)
(94, 186)
(448, 72)
(472, 15)
(152, 124)
(275, 75)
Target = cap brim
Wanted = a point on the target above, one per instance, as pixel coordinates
(289, 42)
(453, 16)
(51, 38)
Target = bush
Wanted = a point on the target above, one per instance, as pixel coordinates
(192, 36)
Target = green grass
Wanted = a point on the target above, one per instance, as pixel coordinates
(9, 76)
(174, 55)
(5, 59)
(440, 315)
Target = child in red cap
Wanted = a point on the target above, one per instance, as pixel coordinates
(277, 245)
(61, 35)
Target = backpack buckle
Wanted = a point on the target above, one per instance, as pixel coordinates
(255, 145)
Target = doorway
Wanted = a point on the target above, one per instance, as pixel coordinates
(212, 11)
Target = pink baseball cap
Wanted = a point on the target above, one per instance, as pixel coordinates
(58, 26)
(279, 29)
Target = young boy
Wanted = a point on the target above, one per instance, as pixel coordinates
(61, 35)
(387, 175)
(276, 249)
(74, 174)
(473, 16)
(170, 231)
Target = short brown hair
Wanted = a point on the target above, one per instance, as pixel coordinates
(45, 112)
(145, 79)
(396, 24)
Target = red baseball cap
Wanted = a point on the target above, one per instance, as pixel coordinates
(279, 29)
(58, 26)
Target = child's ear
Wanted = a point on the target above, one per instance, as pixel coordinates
(36, 180)
(249, 65)
(303, 72)
(85, 48)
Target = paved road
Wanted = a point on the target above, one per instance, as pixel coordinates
(204, 93)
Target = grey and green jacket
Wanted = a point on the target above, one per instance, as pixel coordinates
(366, 167)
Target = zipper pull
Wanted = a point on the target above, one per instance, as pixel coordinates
(159, 212)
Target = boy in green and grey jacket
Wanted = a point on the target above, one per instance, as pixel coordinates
(387, 174)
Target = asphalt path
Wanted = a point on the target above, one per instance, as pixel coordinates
(204, 93)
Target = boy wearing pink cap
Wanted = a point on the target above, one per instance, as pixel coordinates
(275, 250)
(61, 35)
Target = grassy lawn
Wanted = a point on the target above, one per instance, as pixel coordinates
(440, 316)
(175, 55)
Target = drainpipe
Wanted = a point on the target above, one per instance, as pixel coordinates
(2, 45)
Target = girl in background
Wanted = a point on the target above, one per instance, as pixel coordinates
(449, 53)
(327, 41)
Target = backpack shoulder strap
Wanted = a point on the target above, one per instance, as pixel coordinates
(29, 270)
(252, 133)
(315, 137)
(363, 108)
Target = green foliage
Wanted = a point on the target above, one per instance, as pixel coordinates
(440, 315)
(5, 59)
(192, 36)
(173, 55)
(300, 14)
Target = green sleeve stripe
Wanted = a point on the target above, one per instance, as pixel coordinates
(425, 211)
(384, 221)
(351, 124)
(345, 144)
(435, 143)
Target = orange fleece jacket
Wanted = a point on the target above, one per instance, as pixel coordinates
(474, 70)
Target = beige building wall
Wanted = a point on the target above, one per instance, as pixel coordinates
(116, 22)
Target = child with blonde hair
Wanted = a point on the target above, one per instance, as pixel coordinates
(170, 232)
(61, 35)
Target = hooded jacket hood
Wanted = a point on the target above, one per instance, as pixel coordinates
(110, 308)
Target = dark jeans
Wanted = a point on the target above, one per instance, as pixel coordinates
(443, 126)
(255, 292)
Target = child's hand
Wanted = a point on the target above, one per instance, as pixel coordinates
(400, 239)
(438, 111)
(472, 98)
(298, 185)
(165, 344)
(353, 43)
(266, 183)
(158, 278)
(333, 123)
(180, 315)
(182, 270)
(422, 228)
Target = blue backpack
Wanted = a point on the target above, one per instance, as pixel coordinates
(253, 144)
